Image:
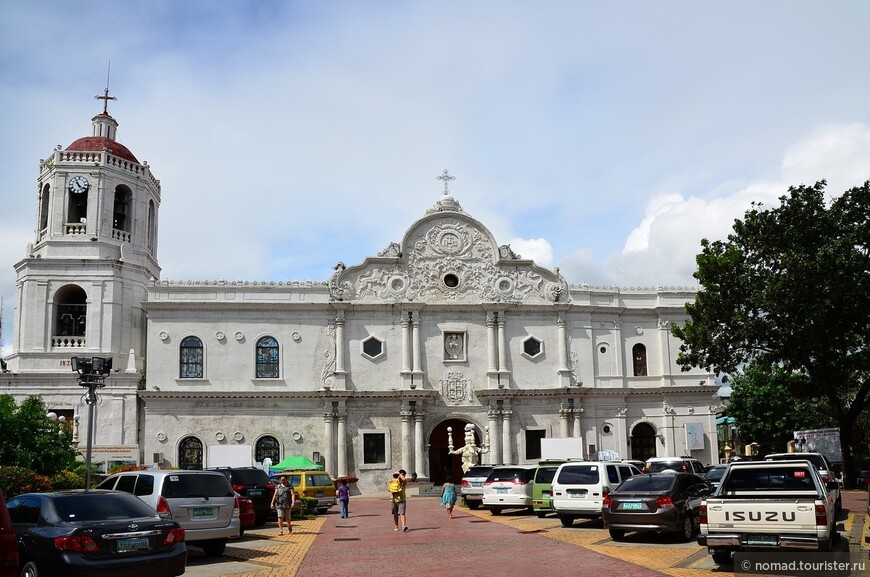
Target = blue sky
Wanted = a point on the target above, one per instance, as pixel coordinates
(605, 138)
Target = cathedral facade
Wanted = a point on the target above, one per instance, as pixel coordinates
(380, 367)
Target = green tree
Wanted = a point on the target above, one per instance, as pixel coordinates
(791, 287)
(766, 411)
(31, 440)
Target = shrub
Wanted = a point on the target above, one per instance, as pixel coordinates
(17, 480)
(67, 480)
(309, 505)
(125, 468)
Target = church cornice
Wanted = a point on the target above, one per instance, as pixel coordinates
(415, 394)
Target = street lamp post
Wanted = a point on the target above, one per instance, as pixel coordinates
(92, 375)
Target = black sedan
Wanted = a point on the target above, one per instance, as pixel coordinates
(661, 502)
(86, 534)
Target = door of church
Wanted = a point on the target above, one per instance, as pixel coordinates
(643, 442)
(441, 464)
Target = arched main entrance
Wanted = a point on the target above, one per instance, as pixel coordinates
(441, 463)
(643, 442)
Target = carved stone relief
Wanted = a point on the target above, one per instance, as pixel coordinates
(455, 388)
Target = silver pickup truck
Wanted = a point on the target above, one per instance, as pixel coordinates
(763, 505)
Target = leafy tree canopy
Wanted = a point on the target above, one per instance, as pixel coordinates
(791, 287)
(31, 440)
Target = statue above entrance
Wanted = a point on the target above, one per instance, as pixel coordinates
(470, 450)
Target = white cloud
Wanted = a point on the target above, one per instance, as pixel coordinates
(536, 249)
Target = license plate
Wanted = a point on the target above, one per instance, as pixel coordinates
(578, 494)
(761, 540)
(202, 512)
(255, 493)
(318, 493)
(477, 483)
(126, 545)
(502, 491)
(632, 506)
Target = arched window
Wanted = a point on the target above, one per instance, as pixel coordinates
(43, 208)
(190, 359)
(267, 358)
(71, 312)
(190, 454)
(643, 442)
(267, 447)
(638, 355)
(120, 211)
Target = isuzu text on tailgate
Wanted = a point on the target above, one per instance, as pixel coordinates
(768, 505)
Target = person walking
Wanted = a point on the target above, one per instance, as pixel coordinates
(399, 499)
(282, 501)
(343, 498)
(448, 496)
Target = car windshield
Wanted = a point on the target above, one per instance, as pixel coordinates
(784, 478)
(715, 474)
(579, 475)
(659, 466)
(647, 484)
(817, 460)
(511, 475)
(545, 474)
(478, 472)
(182, 486)
(100, 507)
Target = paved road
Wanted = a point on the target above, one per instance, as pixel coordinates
(472, 543)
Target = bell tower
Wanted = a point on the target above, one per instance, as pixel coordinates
(81, 285)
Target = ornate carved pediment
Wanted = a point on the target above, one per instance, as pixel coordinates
(448, 257)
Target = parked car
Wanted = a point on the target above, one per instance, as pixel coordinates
(508, 487)
(679, 464)
(8, 543)
(663, 502)
(254, 483)
(579, 488)
(247, 515)
(542, 486)
(202, 502)
(821, 463)
(80, 534)
(714, 475)
(314, 484)
(472, 485)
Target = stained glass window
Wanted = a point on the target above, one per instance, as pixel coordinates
(267, 358)
(190, 362)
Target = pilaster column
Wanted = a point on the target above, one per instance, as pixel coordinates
(494, 437)
(419, 465)
(564, 412)
(339, 342)
(492, 362)
(341, 437)
(406, 342)
(578, 432)
(506, 444)
(329, 444)
(563, 344)
(415, 338)
(406, 439)
(502, 347)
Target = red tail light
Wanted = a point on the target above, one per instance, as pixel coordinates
(663, 502)
(163, 508)
(607, 501)
(605, 492)
(520, 482)
(269, 487)
(236, 511)
(464, 483)
(174, 536)
(77, 543)
(238, 488)
(821, 516)
(702, 515)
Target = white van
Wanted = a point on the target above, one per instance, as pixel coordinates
(580, 487)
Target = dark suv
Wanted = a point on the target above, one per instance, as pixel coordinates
(8, 543)
(252, 483)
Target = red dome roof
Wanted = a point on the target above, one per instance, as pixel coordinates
(98, 143)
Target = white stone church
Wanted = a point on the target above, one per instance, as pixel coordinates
(364, 372)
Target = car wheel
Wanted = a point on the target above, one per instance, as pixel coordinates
(29, 570)
(687, 528)
(495, 511)
(214, 548)
(721, 556)
(473, 504)
(541, 514)
(241, 532)
(566, 520)
(322, 511)
(617, 534)
(260, 521)
(838, 507)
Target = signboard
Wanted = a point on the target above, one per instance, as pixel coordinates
(824, 441)
(694, 436)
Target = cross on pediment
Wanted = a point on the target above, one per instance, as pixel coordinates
(446, 178)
